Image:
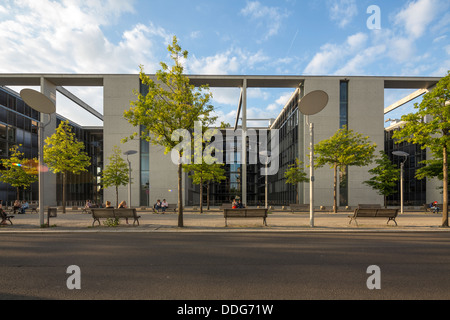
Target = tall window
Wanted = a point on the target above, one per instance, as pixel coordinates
(343, 121)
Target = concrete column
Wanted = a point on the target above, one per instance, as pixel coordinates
(48, 181)
(244, 143)
(117, 94)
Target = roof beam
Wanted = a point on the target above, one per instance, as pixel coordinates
(405, 100)
(79, 102)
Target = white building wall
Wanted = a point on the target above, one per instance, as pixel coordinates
(365, 116)
(118, 92)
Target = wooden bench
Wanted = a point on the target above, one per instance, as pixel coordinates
(391, 214)
(8, 218)
(299, 207)
(429, 209)
(104, 213)
(170, 207)
(33, 207)
(369, 206)
(245, 213)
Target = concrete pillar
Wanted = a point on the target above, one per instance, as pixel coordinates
(48, 178)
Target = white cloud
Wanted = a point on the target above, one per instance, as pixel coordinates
(342, 11)
(331, 55)
(416, 17)
(270, 18)
(232, 61)
(49, 36)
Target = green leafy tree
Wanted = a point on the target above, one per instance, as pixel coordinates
(116, 172)
(429, 127)
(19, 171)
(385, 176)
(64, 154)
(171, 104)
(295, 175)
(345, 148)
(203, 174)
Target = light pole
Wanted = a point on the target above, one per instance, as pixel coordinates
(41, 103)
(266, 154)
(312, 103)
(402, 164)
(127, 153)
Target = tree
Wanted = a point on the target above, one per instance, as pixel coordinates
(205, 173)
(19, 171)
(116, 172)
(345, 148)
(171, 104)
(385, 176)
(295, 175)
(64, 154)
(429, 127)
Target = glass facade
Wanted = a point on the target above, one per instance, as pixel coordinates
(414, 190)
(18, 126)
(280, 192)
(343, 121)
(86, 185)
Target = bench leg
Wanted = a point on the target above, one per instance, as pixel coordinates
(96, 220)
(356, 222)
(393, 219)
(265, 222)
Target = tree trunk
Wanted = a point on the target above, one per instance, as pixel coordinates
(201, 195)
(207, 195)
(117, 196)
(180, 194)
(335, 190)
(445, 187)
(64, 192)
(296, 191)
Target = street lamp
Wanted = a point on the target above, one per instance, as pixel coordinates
(312, 103)
(401, 154)
(41, 103)
(266, 154)
(127, 153)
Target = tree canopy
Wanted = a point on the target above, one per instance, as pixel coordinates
(171, 103)
(116, 172)
(64, 153)
(429, 127)
(344, 148)
(19, 171)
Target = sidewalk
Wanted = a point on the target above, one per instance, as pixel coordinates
(213, 221)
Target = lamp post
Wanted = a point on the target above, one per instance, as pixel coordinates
(42, 104)
(127, 153)
(402, 164)
(312, 103)
(266, 154)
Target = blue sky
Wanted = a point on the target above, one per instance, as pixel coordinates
(237, 37)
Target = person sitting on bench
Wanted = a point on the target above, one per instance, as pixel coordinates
(157, 205)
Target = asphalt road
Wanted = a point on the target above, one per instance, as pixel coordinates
(228, 266)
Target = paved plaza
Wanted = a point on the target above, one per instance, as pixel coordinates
(213, 221)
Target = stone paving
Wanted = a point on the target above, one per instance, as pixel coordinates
(213, 221)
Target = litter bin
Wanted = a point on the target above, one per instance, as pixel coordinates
(51, 212)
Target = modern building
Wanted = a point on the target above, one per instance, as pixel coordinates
(354, 101)
(19, 126)
(416, 192)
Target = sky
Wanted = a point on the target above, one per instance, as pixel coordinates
(226, 37)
